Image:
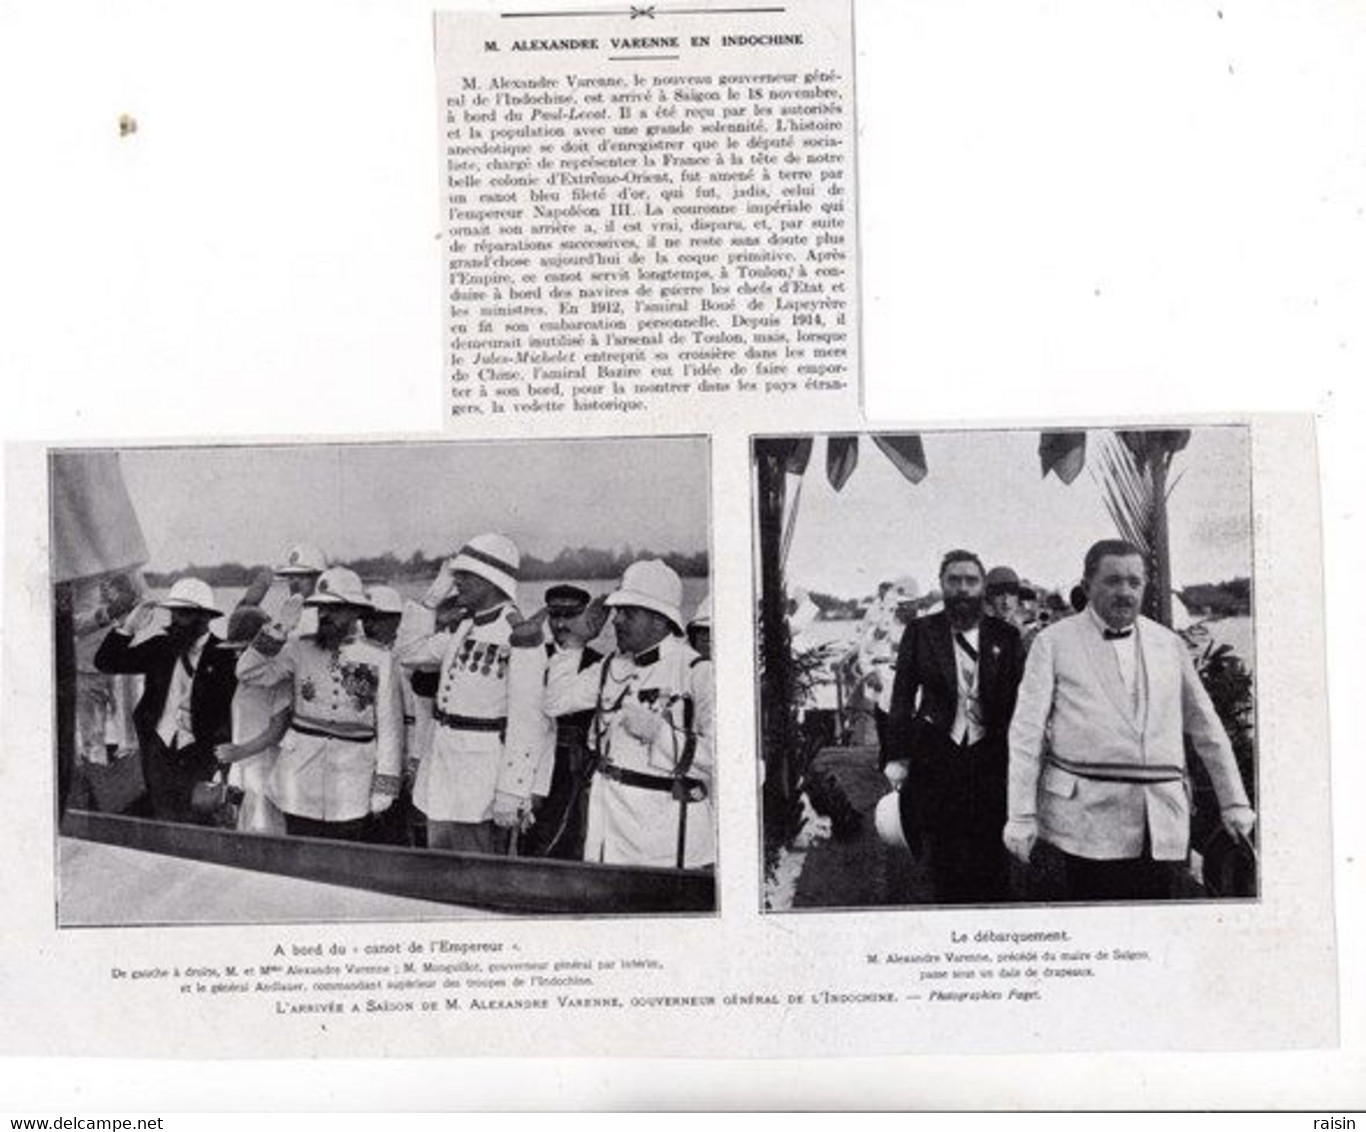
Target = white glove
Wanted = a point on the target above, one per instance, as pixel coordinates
(1019, 837)
(640, 722)
(140, 618)
(1239, 820)
(441, 585)
(896, 772)
(290, 611)
(380, 802)
(589, 623)
(507, 810)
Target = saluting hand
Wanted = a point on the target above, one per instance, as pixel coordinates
(528, 632)
(441, 585)
(141, 618)
(290, 612)
(589, 623)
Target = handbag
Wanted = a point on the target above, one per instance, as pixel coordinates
(214, 802)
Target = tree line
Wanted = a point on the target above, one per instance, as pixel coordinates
(584, 563)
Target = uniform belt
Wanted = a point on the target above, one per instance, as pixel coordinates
(324, 733)
(683, 789)
(1141, 774)
(469, 722)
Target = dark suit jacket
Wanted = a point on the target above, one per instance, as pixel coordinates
(925, 702)
(215, 681)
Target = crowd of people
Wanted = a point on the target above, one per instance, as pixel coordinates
(999, 728)
(454, 722)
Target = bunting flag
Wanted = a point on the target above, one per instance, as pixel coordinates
(799, 456)
(906, 452)
(1063, 453)
(94, 527)
(841, 458)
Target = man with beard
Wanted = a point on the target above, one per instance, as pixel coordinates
(1097, 755)
(653, 730)
(341, 759)
(185, 708)
(956, 677)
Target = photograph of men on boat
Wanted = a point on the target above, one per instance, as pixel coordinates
(319, 682)
(1006, 667)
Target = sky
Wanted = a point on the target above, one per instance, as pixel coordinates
(984, 492)
(248, 504)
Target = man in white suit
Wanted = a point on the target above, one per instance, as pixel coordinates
(1097, 760)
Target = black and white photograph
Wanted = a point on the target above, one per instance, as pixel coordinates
(382, 681)
(1008, 666)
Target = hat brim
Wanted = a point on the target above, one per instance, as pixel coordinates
(296, 571)
(176, 603)
(505, 582)
(333, 600)
(620, 598)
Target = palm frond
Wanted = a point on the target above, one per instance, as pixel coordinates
(1127, 491)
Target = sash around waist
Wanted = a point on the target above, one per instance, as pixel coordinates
(1140, 774)
(334, 729)
(457, 722)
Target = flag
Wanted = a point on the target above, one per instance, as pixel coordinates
(841, 458)
(1063, 453)
(94, 527)
(906, 452)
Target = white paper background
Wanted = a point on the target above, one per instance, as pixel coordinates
(1071, 208)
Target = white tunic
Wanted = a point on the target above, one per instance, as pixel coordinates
(346, 736)
(490, 734)
(630, 824)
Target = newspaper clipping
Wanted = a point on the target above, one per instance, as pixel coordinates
(672, 708)
(647, 206)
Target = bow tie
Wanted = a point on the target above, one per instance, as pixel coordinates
(1117, 634)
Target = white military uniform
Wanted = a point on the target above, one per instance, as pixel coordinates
(345, 740)
(630, 822)
(490, 734)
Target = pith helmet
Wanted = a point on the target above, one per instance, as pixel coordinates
(302, 559)
(385, 599)
(339, 586)
(191, 593)
(887, 820)
(651, 584)
(493, 557)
